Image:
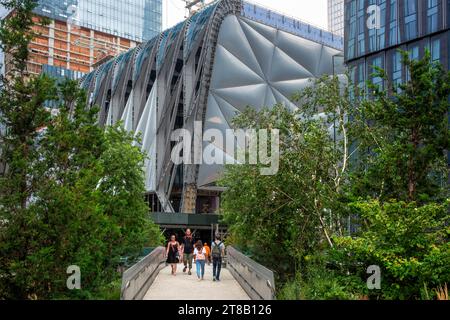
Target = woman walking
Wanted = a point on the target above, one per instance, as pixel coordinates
(173, 254)
(200, 259)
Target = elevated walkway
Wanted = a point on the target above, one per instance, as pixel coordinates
(241, 279)
(188, 287)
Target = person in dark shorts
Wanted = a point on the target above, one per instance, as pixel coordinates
(188, 250)
(172, 253)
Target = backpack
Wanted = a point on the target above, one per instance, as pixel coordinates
(216, 250)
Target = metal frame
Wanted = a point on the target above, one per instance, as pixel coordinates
(183, 83)
(138, 279)
(257, 281)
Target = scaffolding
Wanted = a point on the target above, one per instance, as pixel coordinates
(193, 6)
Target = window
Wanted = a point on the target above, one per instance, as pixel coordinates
(393, 24)
(351, 18)
(381, 33)
(435, 50)
(376, 63)
(361, 76)
(432, 16)
(361, 27)
(413, 55)
(410, 19)
(396, 69)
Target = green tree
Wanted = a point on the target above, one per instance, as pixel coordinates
(122, 188)
(72, 192)
(22, 107)
(404, 135)
(283, 217)
(408, 242)
(345, 154)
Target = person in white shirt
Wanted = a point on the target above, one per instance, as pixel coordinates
(200, 259)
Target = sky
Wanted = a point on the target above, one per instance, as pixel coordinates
(311, 11)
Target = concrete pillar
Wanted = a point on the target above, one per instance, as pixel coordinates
(51, 43)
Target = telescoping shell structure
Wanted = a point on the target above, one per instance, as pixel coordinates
(229, 56)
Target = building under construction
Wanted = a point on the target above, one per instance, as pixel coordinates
(84, 33)
(227, 56)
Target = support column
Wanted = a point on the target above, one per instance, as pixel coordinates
(51, 42)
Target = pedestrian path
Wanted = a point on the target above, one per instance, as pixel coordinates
(185, 287)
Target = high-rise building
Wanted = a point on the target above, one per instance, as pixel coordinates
(84, 33)
(136, 20)
(230, 55)
(374, 35)
(336, 17)
(410, 25)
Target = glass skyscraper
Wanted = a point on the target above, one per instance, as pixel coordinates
(336, 17)
(137, 20)
(409, 25)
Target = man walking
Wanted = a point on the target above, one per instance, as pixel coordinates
(217, 252)
(188, 250)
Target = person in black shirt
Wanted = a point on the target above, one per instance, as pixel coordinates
(188, 250)
(172, 254)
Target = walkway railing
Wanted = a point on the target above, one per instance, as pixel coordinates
(255, 279)
(138, 279)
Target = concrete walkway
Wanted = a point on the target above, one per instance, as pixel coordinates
(185, 287)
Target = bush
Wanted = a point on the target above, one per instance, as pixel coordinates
(408, 242)
(322, 280)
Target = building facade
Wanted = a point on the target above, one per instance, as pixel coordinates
(83, 33)
(409, 25)
(136, 20)
(207, 69)
(336, 17)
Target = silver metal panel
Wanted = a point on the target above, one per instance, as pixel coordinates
(147, 130)
(236, 62)
(242, 97)
(233, 72)
(242, 49)
(285, 68)
(258, 66)
(127, 116)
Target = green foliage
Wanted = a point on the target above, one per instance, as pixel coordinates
(72, 192)
(86, 208)
(16, 32)
(390, 144)
(276, 217)
(322, 280)
(408, 242)
(406, 131)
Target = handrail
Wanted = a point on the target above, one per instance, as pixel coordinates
(138, 279)
(257, 281)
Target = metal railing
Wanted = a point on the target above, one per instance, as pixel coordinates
(257, 281)
(138, 279)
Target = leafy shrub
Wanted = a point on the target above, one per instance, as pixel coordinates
(408, 242)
